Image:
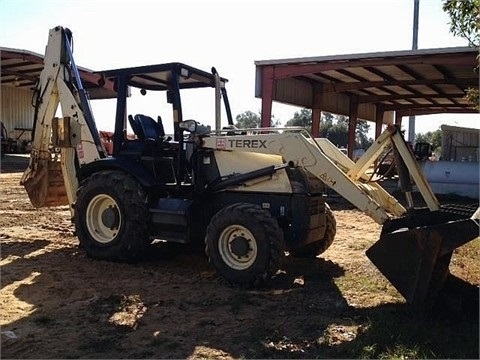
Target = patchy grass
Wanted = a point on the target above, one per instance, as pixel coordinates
(362, 285)
(388, 333)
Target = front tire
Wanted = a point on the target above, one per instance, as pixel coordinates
(244, 244)
(318, 247)
(111, 216)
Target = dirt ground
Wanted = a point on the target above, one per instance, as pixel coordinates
(57, 303)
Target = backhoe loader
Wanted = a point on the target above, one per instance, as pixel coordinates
(248, 195)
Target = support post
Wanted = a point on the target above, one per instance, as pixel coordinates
(267, 95)
(316, 118)
(411, 119)
(317, 109)
(352, 125)
(398, 118)
(378, 121)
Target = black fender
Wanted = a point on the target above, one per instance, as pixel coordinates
(131, 167)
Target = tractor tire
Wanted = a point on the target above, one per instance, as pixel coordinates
(111, 217)
(318, 247)
(244, 244)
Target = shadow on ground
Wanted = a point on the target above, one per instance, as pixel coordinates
(177, 307)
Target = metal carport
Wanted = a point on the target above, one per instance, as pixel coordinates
(19, 70)
(382, 87)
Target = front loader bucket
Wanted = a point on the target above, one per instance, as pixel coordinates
(44, 183)
(416, 261)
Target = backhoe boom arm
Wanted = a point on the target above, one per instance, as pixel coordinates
(59, 144)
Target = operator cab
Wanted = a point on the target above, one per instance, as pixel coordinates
(163, 149)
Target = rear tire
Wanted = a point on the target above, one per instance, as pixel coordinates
(111, 216)
(320, 246)
(244, 244)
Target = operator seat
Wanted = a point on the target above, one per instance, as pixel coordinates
(137, 129)
(151, 129)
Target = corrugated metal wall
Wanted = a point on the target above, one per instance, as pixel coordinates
(16, 111)
(293, 91)
(460, 144)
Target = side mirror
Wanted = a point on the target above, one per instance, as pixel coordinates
(195, 127)
(188, 125)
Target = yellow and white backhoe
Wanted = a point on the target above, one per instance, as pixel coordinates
(250, 195)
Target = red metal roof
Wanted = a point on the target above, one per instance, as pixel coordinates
(21, 68)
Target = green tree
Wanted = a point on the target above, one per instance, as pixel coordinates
(338, 132)
(464, 19)
(250, 120)
(333, 127)
(326, 123)
(301, 118)
(363, 142)
(464, 22)
(432, 137)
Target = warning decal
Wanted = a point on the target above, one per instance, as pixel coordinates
(221, 143)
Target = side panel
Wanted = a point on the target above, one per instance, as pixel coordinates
(294, 196)
(229, 163)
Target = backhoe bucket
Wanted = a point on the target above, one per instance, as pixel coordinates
(416, 260)
(44, 183)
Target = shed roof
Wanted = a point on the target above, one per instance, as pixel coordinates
(412, 82)
(21, 68)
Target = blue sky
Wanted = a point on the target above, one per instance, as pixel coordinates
(230, 35)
